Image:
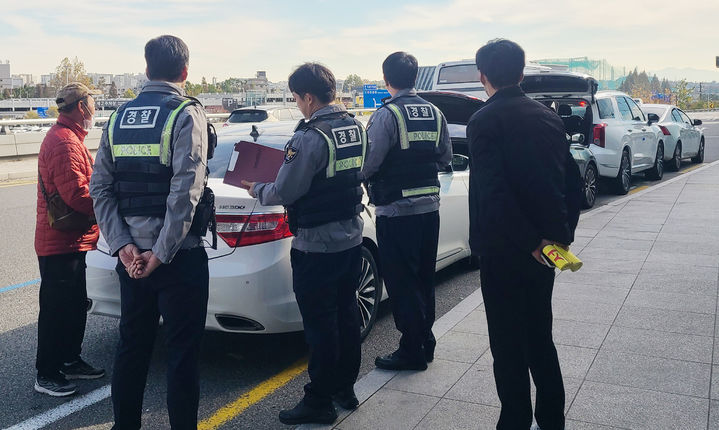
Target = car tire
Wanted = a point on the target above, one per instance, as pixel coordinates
(676, 162)
(369, 292)
(700, 155)
(657, 171)
(623, 181)
(591, 186)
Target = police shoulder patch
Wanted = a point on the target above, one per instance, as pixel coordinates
(290, 153)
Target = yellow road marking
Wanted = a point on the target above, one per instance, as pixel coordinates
(235, 408)
(18, 182)
(689, 169)
(638, 189)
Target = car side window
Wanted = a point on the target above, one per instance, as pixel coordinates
(637, 114)
(624, 111)
(676, 117)
(685, 118)
(606, 109)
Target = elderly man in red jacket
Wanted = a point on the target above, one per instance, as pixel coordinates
(64, 169)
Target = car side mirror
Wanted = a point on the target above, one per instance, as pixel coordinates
(697, 122)
(577, 138)
(652, 118)
(459, 162)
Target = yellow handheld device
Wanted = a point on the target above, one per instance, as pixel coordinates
(561, 258)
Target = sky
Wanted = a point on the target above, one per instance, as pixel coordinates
(236, 38)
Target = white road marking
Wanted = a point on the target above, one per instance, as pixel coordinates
(64, 410)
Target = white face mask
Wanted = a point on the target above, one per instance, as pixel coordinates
(88, 123)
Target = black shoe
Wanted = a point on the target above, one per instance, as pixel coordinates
(56, 387)
(395, 361)
(303, 414)
(81, 370)
(346, 399)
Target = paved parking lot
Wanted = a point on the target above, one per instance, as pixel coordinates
(606, 319)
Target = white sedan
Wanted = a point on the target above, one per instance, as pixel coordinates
(250, 272)
(682, 138)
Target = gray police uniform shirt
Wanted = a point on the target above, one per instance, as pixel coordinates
(382, 134)
(165, 236)
(293, 181)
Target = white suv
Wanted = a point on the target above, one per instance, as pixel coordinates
(623, 140)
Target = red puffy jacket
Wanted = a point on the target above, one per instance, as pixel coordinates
(65, 166)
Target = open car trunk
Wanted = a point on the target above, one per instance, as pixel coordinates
(457, 109)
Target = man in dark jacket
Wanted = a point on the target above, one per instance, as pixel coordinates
(524, 194)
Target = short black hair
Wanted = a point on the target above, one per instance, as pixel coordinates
(400, 70)
(313, 78)
(166, 56)
(502, 62)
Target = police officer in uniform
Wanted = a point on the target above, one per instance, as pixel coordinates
(150, 174)
(408, 144)
(319, 186)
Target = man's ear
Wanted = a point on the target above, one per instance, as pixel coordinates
(183, 74)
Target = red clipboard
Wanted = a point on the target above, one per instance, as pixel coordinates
(253, 163)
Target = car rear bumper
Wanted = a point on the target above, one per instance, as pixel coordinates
(250, 290)
(607, 161)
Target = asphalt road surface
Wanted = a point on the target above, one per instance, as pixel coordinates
(247, 373)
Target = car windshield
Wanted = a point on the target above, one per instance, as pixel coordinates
(459, 74)
(248, 115)
(658, 110)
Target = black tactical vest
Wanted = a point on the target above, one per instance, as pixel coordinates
(410, 167)
(336, 192)
(140, 136)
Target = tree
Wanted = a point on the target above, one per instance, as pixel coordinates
(683, 93)
(352, 81)
(70, 71)
(129, 94)
(102, 85)
(204, 85)
(192, 90)
(31, 114)
(52, 112)
(113, 90)
(655, 85)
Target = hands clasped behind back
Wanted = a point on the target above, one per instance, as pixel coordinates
(138, 265)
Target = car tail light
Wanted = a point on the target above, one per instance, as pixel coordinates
(600, 134)
(665, 130)
(245, 230)
(582, 103)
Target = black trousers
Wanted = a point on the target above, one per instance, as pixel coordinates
(178, 292)
(63, 311)
(325, 286)
(517, 295)
(408, 257)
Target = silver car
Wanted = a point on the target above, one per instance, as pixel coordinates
(267, 113)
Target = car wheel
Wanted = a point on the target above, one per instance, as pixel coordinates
(369, 292)
(700, 155)
(657, 172)
(623, 181)
(676, 162)
(590, 186)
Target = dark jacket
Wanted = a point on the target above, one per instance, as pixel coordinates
(524, 183)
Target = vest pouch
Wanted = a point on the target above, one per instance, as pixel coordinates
(204, 213)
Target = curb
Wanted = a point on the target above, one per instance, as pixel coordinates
(373, 381)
